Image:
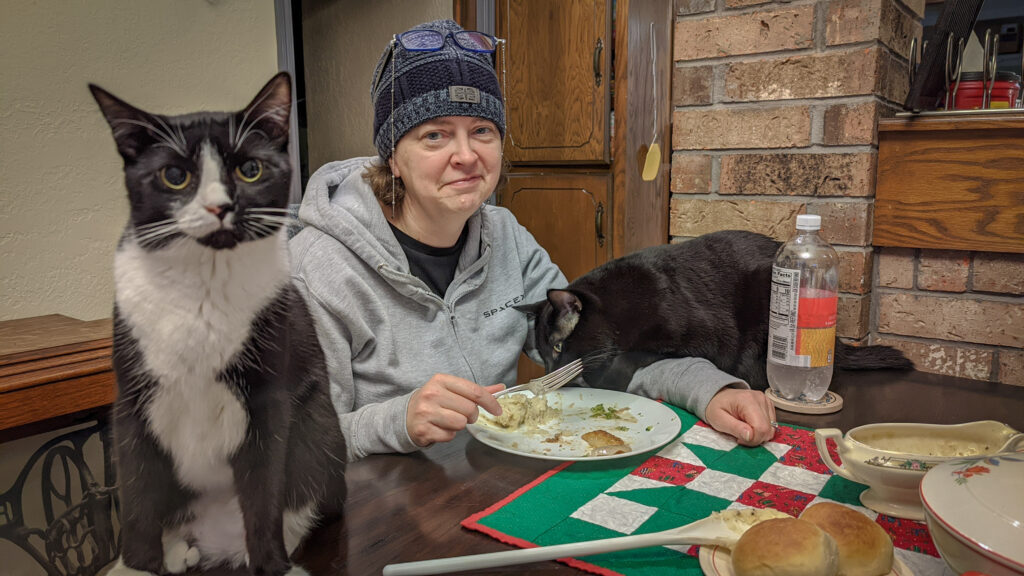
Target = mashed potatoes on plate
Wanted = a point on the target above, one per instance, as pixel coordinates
(518, 411)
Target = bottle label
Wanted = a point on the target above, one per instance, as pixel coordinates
(802, 323)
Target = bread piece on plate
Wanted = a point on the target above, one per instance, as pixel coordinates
(864, 547)
(785, 547)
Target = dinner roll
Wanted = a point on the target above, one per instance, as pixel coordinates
(864, 547)
(785, 547)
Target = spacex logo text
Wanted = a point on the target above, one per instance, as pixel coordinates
(506, 305)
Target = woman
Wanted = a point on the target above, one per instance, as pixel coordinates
(411, 278)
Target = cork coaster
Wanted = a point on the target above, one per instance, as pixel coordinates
(829, 403)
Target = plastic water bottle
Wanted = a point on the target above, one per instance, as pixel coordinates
(802, 322)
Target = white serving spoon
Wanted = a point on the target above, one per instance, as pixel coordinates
(720, 529)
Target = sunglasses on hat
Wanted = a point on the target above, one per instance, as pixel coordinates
(432, 41)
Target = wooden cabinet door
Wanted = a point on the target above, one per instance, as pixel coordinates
(569, 214)
(556, 79)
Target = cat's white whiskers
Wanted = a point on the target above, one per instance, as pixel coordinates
(254, 231)
(600, 355)
(250, 130)
(153, 224)
(279, 217)
(269, 209)
(248, 133)
(273, 219)
(152, 240)
(166, 145)
(177, 137)
(251, 107)
(165, 138)
(156, 229)
(149, 236)
(247, 232)
(257, 223)
(181, 136)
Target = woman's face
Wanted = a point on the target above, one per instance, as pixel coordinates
(449, 167)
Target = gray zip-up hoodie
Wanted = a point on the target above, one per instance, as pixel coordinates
(384, 333)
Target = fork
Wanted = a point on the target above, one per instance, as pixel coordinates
(549, 382)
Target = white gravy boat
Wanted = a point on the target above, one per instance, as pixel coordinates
(892, 458)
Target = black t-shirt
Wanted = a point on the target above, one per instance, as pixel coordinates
(435, 266)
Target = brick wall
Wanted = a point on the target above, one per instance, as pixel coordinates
(956, 313)
(776, 114)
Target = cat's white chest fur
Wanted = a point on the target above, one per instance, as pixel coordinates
(191, 309)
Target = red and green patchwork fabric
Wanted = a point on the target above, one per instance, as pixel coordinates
(700, 472)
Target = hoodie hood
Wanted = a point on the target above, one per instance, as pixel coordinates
(355, 219)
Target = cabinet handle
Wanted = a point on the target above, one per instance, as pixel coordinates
(597, 62)
(599, 223)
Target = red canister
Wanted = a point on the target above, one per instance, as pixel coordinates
(1004, 91)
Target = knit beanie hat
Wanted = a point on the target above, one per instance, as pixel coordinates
(447, 82)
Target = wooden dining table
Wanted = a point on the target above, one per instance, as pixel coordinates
(408, 507)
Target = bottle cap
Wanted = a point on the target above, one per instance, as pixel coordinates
(808, 222)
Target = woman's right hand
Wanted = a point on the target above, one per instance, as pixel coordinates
(445, 405)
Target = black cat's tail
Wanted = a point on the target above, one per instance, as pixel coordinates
(870, 357)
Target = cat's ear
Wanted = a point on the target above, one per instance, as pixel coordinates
(565, 301)
(269, 111)
(567, 312)
(130, 126)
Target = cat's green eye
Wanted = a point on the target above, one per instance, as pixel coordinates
(558, 348)
(250, 170)
(175, 178)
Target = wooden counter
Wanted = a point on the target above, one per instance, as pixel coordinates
(951, 182)
(52, 367)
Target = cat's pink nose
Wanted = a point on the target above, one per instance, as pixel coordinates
(218, 210)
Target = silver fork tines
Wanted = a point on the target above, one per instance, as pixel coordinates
(549, 382)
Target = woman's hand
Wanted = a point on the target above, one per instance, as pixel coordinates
(445, 405)
(748, 415)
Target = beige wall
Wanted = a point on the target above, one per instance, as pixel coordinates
(342, 40)
(63, 203)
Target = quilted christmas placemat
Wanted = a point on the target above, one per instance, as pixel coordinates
(700, 472)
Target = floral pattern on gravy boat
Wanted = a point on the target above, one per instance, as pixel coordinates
(901, 463)
(892, 458)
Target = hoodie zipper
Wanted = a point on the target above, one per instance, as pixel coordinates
(467, 273)
(384, 270)
(450, 310)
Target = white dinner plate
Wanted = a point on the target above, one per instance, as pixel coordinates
(717, 561)
(560, 439)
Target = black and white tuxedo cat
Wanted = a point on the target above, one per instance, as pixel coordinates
(228, 448)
